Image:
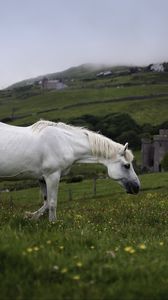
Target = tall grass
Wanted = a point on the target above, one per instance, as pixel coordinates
(113, 246)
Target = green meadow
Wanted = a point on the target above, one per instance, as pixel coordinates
(105, 246)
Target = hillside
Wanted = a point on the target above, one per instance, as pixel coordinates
(79, 72)
(143, 95)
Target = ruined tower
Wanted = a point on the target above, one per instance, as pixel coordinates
(147, 154)
(153, 151)
(160, 143)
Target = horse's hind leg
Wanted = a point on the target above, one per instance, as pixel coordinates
(37, 214)
(52, 182)
(43, 188)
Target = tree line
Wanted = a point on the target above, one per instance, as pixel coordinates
(120, 127)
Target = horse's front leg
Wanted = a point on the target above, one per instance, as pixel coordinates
(52, 182)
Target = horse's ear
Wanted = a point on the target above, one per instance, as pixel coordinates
(122, 151)
(125, 147)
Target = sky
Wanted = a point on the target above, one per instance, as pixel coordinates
(38, 37)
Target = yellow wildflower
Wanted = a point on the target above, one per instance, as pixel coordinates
(92, 247)
(36, 248)
(142, 246)
(61, 247)
(29, 250)
(76, 277)
(79, 264)
(129, 249)
(161, 243)
(132, 251)
(64, 270)
(48, 242)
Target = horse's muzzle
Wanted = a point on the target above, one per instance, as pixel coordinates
(132, 187)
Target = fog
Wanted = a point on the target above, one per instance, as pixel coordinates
(40, 37)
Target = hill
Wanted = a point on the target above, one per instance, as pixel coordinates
(126, 105)
(90, 71)
(79, 72)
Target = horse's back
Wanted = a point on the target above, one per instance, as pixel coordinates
(20, 150)
(8, 127)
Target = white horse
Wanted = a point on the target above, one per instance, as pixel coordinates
(46, 151)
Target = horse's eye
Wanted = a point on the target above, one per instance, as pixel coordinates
(127, 166)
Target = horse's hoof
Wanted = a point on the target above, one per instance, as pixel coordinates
(52, 220)
(28, 215)
(35, 217)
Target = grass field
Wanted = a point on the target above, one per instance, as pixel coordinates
(109, 246)
(144, 96)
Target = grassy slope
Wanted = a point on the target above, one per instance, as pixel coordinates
(84, 254)
(99, 97)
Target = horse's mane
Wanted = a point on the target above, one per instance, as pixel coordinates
(101, 146)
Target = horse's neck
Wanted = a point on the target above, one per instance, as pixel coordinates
(79, 144)
(89, 159)
(86, 155)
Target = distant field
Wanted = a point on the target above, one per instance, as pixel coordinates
(144, 96)
(109, 246)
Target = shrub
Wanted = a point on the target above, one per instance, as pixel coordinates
(77, 178)
(131, 137)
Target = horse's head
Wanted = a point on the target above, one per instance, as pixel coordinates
(121, 170)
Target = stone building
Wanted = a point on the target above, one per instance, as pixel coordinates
(52, 84)
(154, 150)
